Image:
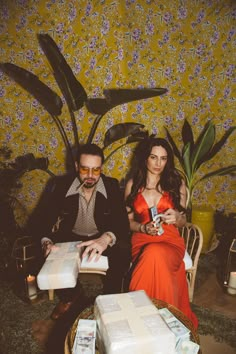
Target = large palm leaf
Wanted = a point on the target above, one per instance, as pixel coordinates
(187, 135)
(29, 162)
(115, 97)
(74, 93)
(120, 96)
(217, 146)
(31, 83)
(187, 161)
(120, 131)
(176, 151)
(202, 146)
(70, 87)
(220, 172)
(134, 132)
(44, 95)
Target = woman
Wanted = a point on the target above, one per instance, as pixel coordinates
(159, 247)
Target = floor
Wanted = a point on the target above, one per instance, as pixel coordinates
(211, 295)
(208, 294)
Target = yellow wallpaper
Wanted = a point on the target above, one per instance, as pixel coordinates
(185, 46)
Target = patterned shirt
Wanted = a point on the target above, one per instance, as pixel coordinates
(85, 224)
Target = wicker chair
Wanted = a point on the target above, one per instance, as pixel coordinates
(193, 237)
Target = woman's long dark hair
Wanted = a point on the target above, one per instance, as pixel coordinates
(170, 179)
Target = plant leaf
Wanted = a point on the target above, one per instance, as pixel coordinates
(174, 148)
(121, 96)
(220, 172)
(70, 87)
(46, 97)
(136, 137)
(121, 130)
(101, 107)
(28, 162)
(115, 97)
(217, 147)
(98, 106)
(203, 145)
(187, 134)
(31, 83)
(187, 161)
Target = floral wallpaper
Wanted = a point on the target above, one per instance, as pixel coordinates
(186, 46)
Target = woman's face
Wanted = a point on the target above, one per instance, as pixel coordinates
(157, 160)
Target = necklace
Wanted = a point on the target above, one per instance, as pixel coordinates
(150, 189)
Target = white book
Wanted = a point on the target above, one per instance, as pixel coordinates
(94, 266)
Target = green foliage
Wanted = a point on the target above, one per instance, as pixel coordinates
(195, 153)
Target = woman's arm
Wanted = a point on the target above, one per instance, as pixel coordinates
(135, 226)
(183, 195)
(173, 216)
(181, 216)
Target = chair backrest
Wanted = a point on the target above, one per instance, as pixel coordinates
(193, 238)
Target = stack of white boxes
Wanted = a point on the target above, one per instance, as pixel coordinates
(61, 267)
(129, 323)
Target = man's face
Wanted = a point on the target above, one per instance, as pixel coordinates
(89, 170)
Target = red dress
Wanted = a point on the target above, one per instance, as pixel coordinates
(160, 270)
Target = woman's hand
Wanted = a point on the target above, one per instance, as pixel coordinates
(95, 247)
(172, 216)
(150, 228)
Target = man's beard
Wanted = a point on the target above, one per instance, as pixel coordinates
(90, 184)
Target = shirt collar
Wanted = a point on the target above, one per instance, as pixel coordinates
(75, 188)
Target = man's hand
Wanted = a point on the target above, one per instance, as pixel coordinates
(47, 246)
(94, 248)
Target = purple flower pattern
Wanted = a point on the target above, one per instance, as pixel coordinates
(183, 46)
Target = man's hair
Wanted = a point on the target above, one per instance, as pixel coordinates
(89, 149)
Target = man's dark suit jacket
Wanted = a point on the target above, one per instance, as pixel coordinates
(109, 214)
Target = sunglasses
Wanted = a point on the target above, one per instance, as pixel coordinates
(85, 170)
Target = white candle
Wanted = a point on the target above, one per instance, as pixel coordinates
(232, 283)
(32, 289)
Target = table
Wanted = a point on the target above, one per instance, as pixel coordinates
(88, 314)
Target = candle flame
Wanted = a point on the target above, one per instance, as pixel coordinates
(30, 277)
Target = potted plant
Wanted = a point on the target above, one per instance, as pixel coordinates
(76, 97)
(10, 174)
(192, 155)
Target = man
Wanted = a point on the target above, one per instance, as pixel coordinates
(88, 208)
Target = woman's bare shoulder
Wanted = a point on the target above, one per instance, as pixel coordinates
(130, 183)
(128, 187)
